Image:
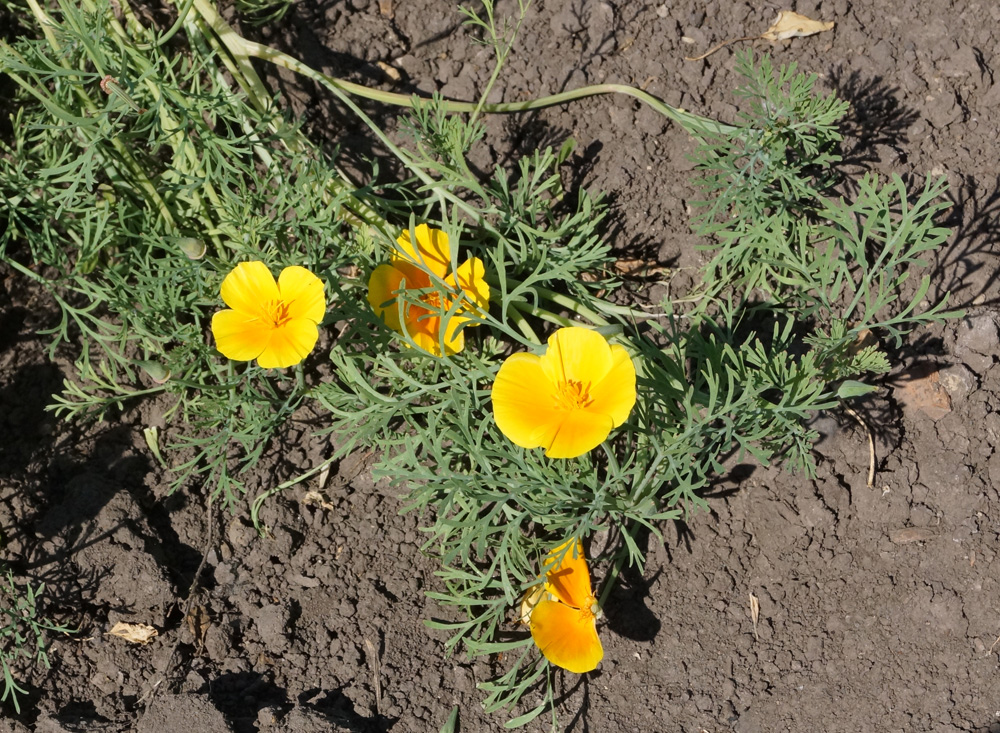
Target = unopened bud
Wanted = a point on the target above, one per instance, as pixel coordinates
(156, 371)
(193, 249)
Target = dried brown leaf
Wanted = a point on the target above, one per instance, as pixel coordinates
(198, 622)
(638, 268)
(788, 24)
(865, 338)
(754, 613)
(792, 25)
(133, 633)
(315, 498)
(390, 71)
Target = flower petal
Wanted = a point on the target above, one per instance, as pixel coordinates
(615, 395)
(454, 337)
(302, 292)
(248, 286)
(431, 252)
(530, 599)
(470, 278)
(424, 327)
(577, 354)
(524, 401)
(566, 636)
(578, 432)
(567, 576)
(414, 277)
(382, 286)
(289, 344)
(239, 336)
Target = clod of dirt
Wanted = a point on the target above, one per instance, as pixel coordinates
(47, 724)
(183, 714)
(959, 381)
(906, 535)
(977, 340)
(920, 390)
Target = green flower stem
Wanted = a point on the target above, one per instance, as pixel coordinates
(124, 159)
(184, 152)
(563, 301)
(46, 23)
(172, 31)
(695, 124)
(237, 60)
(571, 305)
(545, 315)
(523, 326)
(609, 580)
(243, 50)
(502, 47)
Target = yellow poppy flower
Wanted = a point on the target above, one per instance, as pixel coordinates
(562, 613)
(568, 399)
(411, 268)
(276, 323)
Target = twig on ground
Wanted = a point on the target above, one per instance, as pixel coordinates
(376, 666)
(871, 445)
(993, 645)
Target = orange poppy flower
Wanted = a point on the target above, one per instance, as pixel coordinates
(411, 268)
(276, 323)
(568, 399)
(562, 613)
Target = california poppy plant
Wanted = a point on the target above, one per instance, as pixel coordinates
(568, 399)
(562, 613)
(276, 323)
(411, 267)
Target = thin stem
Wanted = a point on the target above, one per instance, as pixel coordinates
(258, 503)
(522, 323)
(172, 31)
(694, 124)
(237, 60)
(571, 305)
(545, 315)
(503, 48)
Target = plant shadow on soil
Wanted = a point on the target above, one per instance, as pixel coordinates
(963, 270)
(876, 134)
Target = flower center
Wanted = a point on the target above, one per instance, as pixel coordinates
(432, 299)
(572, 395)
(276, 312)
(590, 609)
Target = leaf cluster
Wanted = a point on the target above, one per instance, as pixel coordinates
(135, 178)
(800, 277)
(125, 153)
(22, 633)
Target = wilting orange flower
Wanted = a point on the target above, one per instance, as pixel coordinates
(568, 399)
(411, 268)
(562, 613)
(276, 323)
